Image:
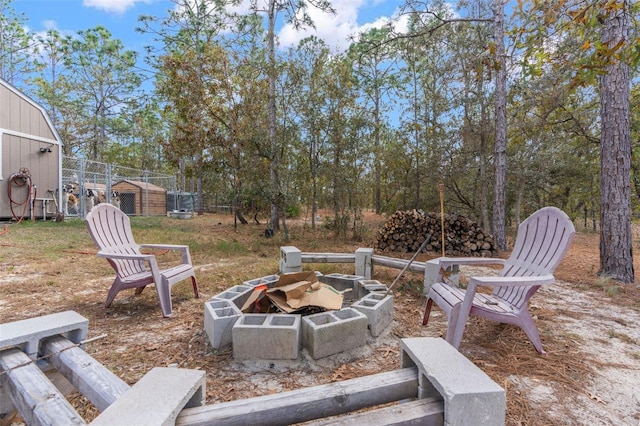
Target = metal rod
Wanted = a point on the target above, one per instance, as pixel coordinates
(441, 190)
(424, 243)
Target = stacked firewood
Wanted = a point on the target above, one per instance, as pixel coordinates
(405, 231)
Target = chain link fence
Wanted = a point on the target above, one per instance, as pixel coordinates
(137, 192)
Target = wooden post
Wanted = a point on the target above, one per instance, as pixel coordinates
(308, 403)
(96, 382)
(441, 191)
(36, 398)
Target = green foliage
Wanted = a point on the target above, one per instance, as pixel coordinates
(293, 210)
(374, 60)
(412, 287)
(147, 223)
(230, 247)
(103, 77)
(610, 287)
(575, 27)
(376, 126)
(15, 44)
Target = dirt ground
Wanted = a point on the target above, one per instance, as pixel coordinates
(589, 327)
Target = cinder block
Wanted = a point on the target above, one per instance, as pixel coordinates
(470, 396)
(379, 311)
(27, 334)
(290, 259)
(363, 264)
(365, 287)
(219, 318)
(342, 282)
(268, 280)
(332, 332)
(433, 274)
(156, 399)
(375, 287)
(238, 294)
(266, 336)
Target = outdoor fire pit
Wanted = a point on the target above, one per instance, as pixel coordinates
(273, 317)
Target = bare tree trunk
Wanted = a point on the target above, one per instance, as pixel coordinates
(482, 153)
(594, 203)
(200, 196)
(285, 228)
(313, 162)
(314, 206)
(616, 258)
(376, 138)
(274, 161)
(239, 217)
(416, 132)
(519, 197)
(500, 150)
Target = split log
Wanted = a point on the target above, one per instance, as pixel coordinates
(405, 231)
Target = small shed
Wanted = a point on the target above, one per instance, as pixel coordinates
(30, 158)
(139, 198)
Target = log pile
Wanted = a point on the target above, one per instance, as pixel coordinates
(405, 231)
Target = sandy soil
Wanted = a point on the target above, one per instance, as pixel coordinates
(607, 342)
(590, 328)
(609, 337)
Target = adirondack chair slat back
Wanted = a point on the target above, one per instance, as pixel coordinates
(542, 241)
(111, 231)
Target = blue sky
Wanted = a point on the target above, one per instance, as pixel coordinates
(120, 18)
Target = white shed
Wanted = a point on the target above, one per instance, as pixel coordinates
(30, 158)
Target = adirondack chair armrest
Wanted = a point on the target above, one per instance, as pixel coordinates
(152, 263)
(124, 256)
(511, 281)
(183, 249)
(165, 246)
(446, 262)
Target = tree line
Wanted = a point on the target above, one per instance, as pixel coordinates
(510, 105)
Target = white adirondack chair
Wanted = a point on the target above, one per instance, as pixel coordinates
(541, 243)
(110, 229)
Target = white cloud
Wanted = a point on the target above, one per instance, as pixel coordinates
(37, 49)
(115, 6)
(50, 24)
(336, 30)
(352, 17)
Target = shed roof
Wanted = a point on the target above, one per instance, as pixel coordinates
(8, 124)
(99, 186)
(140, 184)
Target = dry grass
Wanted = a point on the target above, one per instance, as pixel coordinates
(48, 267)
